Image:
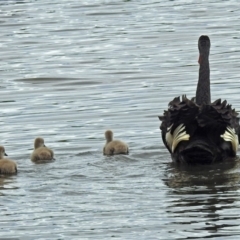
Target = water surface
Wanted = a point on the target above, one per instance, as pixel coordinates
(72, 69)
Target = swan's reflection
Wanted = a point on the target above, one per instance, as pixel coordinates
(205, 198)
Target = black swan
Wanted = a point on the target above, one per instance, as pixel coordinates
(197, 131)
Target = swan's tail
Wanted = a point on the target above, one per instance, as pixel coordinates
(121, 149)
(198, 152)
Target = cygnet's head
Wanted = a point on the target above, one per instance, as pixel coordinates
(109, 135)
(39, 142)
(2, 152)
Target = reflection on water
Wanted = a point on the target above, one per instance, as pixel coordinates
(222, 174)
(72, 69)
(208, 193)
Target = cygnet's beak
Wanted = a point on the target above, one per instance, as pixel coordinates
(5, 154)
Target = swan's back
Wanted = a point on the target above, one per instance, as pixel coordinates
(115, 147)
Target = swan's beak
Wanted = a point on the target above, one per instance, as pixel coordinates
(5, 154)
(200, 59)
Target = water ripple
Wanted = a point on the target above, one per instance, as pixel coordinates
(72, 69)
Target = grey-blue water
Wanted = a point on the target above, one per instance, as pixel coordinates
(72, 69)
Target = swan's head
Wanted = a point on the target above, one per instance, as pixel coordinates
(109, 135)
(39, 142)
(204, 45)
(2, 152)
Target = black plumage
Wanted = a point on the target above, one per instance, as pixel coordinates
(197, 131)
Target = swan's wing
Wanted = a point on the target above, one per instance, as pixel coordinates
(164, 127)
(221, 122)
(178, 122)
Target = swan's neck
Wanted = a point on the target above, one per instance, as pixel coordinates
(203, 94)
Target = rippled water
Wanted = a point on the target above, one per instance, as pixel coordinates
(72, 69)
